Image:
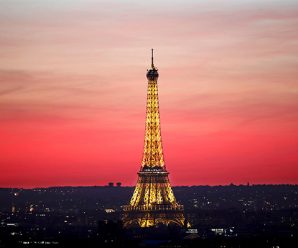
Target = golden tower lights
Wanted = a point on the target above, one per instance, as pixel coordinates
(153, 201)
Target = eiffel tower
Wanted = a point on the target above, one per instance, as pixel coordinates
(153, 202)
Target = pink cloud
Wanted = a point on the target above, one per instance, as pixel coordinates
(73, 91)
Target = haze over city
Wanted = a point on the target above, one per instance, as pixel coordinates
(73, 90)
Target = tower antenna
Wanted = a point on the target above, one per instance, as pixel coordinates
(152, 64)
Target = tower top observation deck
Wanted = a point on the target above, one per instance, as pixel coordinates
(152, 73)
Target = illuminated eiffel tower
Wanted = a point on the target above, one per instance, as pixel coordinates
(153, 201)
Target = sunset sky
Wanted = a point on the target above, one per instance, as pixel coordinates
(73, 90)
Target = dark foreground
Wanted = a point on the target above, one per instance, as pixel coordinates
(220, 216)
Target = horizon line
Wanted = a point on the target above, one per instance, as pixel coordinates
(131, 186)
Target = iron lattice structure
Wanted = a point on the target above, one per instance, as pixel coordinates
(153, 201)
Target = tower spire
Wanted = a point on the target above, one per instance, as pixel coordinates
(152, 73)
(152, 64)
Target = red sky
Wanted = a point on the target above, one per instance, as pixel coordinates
(73, 90)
